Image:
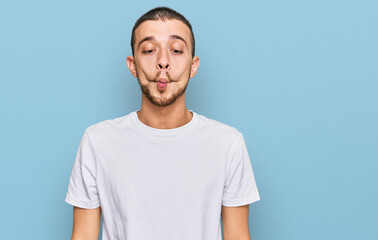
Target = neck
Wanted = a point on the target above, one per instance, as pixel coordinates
(172, 116)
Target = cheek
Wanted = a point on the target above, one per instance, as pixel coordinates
(146, 68)
(180, 66)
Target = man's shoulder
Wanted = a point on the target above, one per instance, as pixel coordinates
(109, 125)
(218, 128)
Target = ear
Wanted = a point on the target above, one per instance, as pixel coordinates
(130, 61)
(195, 65)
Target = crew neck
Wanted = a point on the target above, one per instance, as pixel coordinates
(158, 132)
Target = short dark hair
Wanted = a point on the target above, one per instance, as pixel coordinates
(162, 13)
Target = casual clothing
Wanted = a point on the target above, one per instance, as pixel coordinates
(161, 184)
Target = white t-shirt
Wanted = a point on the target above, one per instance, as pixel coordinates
(161, 184)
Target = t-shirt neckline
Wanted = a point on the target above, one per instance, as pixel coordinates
(163, 132)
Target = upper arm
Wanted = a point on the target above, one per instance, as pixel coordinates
(86, 223)
(235, 222)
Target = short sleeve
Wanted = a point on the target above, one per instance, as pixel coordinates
(82, 188)
(240, 186)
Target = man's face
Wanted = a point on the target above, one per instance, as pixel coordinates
(162, 60)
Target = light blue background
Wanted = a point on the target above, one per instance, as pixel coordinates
(297, 78)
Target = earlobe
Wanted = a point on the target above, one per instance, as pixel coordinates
(195, 65)
(130, 62)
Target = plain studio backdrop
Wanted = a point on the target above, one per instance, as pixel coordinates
(298, 78)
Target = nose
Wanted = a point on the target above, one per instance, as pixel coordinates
(163, 61)
(162, 66)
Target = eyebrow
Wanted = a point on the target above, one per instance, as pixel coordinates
(171, 37)
(151, 38)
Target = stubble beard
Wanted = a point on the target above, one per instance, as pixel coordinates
(162, 102)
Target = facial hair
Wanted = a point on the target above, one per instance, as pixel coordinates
(162, 102)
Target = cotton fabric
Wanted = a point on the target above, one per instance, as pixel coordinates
(161, 184)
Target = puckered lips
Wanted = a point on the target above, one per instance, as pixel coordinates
(162, 84)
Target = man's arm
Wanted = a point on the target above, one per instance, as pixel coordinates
(86, 223)
(235, 223)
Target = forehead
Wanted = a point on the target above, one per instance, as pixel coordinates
(161, 30)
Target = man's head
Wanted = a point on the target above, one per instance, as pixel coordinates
(162, 58)
(162, 13)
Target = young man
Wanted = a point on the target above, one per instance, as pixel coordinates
(163, 172)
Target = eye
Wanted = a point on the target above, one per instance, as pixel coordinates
(175, 51)
(148, 51)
